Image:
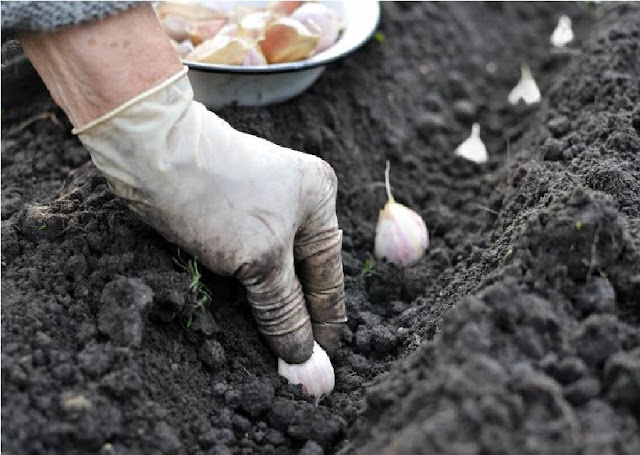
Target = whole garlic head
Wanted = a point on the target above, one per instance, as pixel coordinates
(316, 374)
(401, 234)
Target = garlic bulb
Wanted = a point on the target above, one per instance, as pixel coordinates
(473, 148)
(563, 34)
(401, 234)
(527, 89)
(316, 374)
(287, 40)
(319, 19)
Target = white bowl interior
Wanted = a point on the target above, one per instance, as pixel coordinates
(359, 18)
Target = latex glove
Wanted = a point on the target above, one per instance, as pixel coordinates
(241, 205)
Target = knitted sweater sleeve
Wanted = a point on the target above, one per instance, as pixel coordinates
(47, 16)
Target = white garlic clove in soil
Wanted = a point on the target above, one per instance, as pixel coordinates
(319, 19)
(287, 40)
(473, 148)
(401, 234)
(316, 375)
(527, 90)
(563, 34)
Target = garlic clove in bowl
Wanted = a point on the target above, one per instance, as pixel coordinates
(287, 40)
(222, 50)
(201, 31)
(319, 19)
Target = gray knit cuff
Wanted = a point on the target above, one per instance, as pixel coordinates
(47, 16)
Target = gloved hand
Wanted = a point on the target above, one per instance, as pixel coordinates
(241, 205)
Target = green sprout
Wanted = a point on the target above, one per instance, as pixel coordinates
(578, 225)
(196, 286)
(367, 269)
(379, 37)
(41, 227)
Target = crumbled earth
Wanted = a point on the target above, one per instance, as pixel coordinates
(519, 332)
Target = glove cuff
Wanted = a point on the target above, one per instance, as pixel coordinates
(132, 101)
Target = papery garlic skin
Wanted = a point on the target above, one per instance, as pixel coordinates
(562, 35)
(473, 148)
(527, 89)
(316, 375)
(319, 19)
(401, 234)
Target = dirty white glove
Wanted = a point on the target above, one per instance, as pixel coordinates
(243, 206)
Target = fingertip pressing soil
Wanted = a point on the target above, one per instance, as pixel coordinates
(519, 332)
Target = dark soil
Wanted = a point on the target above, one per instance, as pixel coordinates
(519, 332)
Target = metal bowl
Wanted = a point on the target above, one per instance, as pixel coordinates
(222, 85)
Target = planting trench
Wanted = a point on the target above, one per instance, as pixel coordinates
(519, 332)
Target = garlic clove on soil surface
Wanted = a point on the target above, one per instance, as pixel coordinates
(316, 375)
(401, 234)
(473, 148)
(527, 89)
(563, 34)
(287, 40)
(319, 19)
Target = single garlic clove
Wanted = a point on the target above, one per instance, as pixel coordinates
(287, 40)
(473, 148)
(253, 26)
(223, 50)
(285, 8)
(175, 27)
(199, 32)
(563, 34)
(254, 57)
(183, 48)
(316, 375)
(527, 89)
(319, 19)
(401, 234)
